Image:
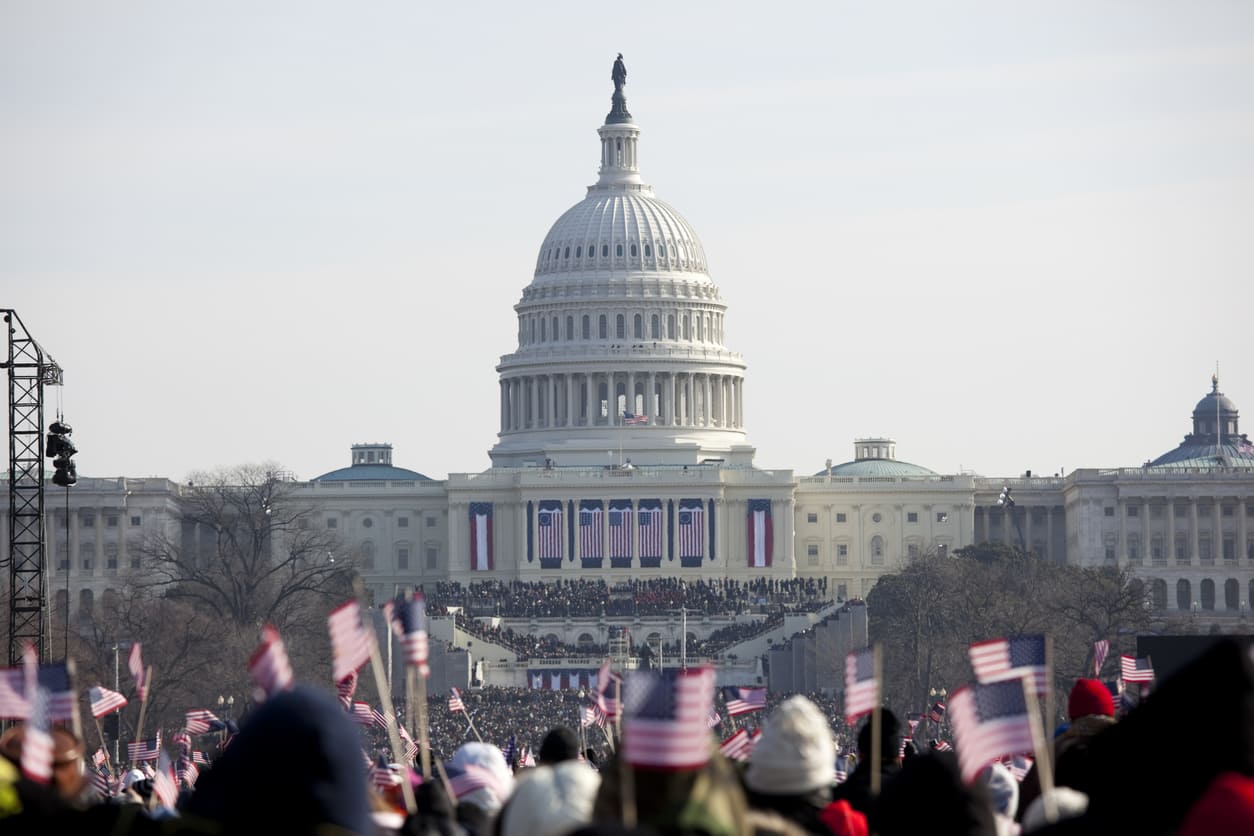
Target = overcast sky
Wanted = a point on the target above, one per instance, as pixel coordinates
(1009, 235)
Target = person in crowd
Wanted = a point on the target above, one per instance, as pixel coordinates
(560, 744)
(707, 801)
(488, 785)
(1003, 794)
(928, 795)
(857, 789)
(551, 801)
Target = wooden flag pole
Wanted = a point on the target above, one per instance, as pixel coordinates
(385, 695)
(471, 721)
(76, 721)
(877, 665)
(143, 705)
(424, 734)
(108, 761)
(1044, 770)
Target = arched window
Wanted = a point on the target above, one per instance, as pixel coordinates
(585, 641)
(633, 250)
(601, 326)
(567, 253)
(1158, 593)
(877, 549)
(620, 326)
(637, 329)
(543, 330)
(553, 330)
(532, 322)
(655, 327)
(587, 327)
(605, 251)
(618, 250)
(570, 328)
(648, 251)
(700, 329)
(1184, 596)
(661, 251)
(578, 252)
(1208, 594)
(1232, 594)
(670, 326)
(86, 599)
(687, 327)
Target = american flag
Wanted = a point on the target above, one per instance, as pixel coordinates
(99, 758)
(842, 769)
(103, 701)
(382, 776)
(590, 532)
(736, 747)
(37, 741)
(62, 701)
(136, 664)
(182, 740)
(691, 531)
(620, 532)
(630, 419)
(382, 718)
(901, 747)
(592, 716)
(997, 660)
(1101, 647)
(269, 667)
(606, 694)
(714, 719)
(200, 758)
(650, 532)
(363, 713)
(472, 778)
(914, 720)
(455, 703)
(989, 721)
(1019, 766)
(527, 759)
(937, 712)
(144, 750)
(164, 787)
(345, 688)
(187, 773)
(411, 748)
(861, 688)
(13, 702)
(744, 700)
(942, 746)
(100, 783)
(350, 643)
(551, 532)
(1135, 669)
(665, 718)
(201, 721)
(410, 624)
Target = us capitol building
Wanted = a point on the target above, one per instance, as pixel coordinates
(623, 454)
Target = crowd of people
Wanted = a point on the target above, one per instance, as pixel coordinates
(654, 596)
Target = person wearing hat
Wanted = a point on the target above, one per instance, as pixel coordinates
(793, 766)
(560, 744)
(551, 801)
(1091, 711)
(67, 758)
(857, 790)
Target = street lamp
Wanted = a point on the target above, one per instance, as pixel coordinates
(228, 703)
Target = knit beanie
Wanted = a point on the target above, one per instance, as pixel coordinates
(1088, 697)
(551, 800)
(795, 754)
(1227, 806)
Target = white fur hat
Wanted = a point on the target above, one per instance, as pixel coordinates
(795, 754)
(551, 800)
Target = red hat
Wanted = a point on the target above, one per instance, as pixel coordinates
(1089, 696)
(842, 820)
(1227, 806)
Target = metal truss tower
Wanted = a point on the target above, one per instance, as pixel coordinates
(30, 369)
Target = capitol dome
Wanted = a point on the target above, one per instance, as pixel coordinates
(620, 333)
(1216, 440)
(875, 457)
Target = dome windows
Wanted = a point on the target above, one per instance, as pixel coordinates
(648, 251)
(587, 327)
(578, 252)
(570, 328)
(605, 251)
(633, 251)
(618, 250)
(620, 327)
(661, 251)
(567, 252)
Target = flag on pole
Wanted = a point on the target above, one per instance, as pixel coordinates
(989, 721)
(744, 700)
(13, 702)
(592, 716)
(632, 420)
(861, 689)
(1101, 647)
(345, 688)
(103, 701)
(455, 703)
(164, 787)
(937, 712)
(268, 667)
(99, 758)
(410, 624)
(350, 643)
(997, 660)
(605, 695)
(144, 750)
(37, 743)
(736, 747)
(1135, 669)
(665, 718)
(714, 719)
(136, 664)
(363, 714)
(200, 721)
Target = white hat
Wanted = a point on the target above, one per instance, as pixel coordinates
(795, 753)
(551, 800)
(131, 778)
(490, 760)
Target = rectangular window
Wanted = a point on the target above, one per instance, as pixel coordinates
(912, 550)
(402, 522)
(63, 565)
(87, 565)
(1134, 510)
(1110, 510)
(1134, 550)
(1182, 549)
(332, 522)
(942, 517)
(402, 558)
(134, 562)
(1203, 549)
(842, 553)
(812, 560)
(1156, 512)
(812, 518)
(136, 521)
(88, 521)
(912, 516)
(1230, 548)
(430, 522)
(433, 558)
(111, 521)
(812, 550)
(111, 564)
(840, 518)
(842, 592)
(1203, 511)
(1229, 510)
(1181, 511)
(1156, 551)
(1110, 554)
